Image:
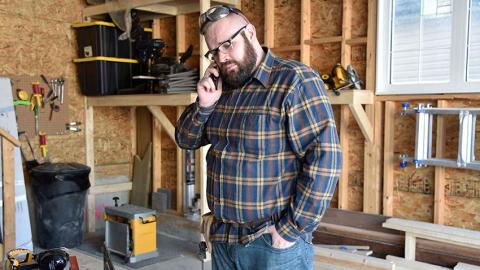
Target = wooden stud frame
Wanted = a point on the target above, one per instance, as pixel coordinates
(8, 144)
(439, 190)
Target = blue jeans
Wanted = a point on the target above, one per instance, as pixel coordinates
(260, 255)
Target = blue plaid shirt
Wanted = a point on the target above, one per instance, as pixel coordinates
(274, 152)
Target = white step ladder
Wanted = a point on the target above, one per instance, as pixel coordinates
(423, 140)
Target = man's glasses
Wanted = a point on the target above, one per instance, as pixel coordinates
(216, 13)
(225, 46)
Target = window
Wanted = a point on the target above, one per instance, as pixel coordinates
(428, 46)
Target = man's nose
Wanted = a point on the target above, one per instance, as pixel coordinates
(223, 56)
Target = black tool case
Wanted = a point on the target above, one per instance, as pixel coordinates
(100, 76)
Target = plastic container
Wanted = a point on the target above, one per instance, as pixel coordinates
(101, 39)
(100, 76)
(59, 191)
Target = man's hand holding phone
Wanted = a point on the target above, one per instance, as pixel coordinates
(209, 88)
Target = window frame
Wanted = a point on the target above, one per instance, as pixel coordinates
(458, 55)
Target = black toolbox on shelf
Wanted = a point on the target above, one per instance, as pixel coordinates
(100, 76)
(101, 39)
(105, 64)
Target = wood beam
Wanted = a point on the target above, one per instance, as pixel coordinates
(372, 176)
(346, 58)
(324, 40)
(90, 162)
(8, 178)
(133, 131)
(117, 6)
(180, 21)
(227, 2)
(351, 97)
(371, 44)
(188, 8)
(344, 135)
(357, 41)
(161, 9)
(363, 121)
(287, 48)
(346, 50)
(389, 158)
(269, 38)
(180, 169)
(156, 133)
(439, 189)
(142, 100)
(429, 97)
(305, 32)
(101, 189)
(163, 120)
(156, 155)
(204, 63)
(9, 137)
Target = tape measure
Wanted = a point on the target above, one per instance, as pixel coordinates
(22, 94)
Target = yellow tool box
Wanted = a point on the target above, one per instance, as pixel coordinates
(131, 231)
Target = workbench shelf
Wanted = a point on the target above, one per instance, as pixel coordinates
(177, 99)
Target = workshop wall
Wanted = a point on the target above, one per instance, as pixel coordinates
(37, 38)
(413, 189)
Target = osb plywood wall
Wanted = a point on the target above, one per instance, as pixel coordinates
(326, 21)
(414, 188)
(37, 38)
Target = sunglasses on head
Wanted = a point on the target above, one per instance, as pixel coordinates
(216, 13)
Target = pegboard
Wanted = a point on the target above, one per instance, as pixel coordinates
(25, 116)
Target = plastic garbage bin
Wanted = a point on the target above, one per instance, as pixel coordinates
(59, 191)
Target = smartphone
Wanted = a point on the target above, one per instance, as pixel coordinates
(215, 80)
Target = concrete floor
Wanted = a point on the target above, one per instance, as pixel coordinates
(184, 262)
(177, 238)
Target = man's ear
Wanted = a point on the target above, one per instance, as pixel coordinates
(251, 31)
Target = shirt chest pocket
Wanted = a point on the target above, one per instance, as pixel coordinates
(262, 134)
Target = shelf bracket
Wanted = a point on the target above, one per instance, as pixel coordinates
(362, 121)
(163, 119)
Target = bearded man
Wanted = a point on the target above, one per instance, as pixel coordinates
(274, 159)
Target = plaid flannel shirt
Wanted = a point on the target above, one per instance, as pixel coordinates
(274, 152)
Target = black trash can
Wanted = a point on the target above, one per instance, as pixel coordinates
(59, 190)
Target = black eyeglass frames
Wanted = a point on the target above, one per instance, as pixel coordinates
(225, 46)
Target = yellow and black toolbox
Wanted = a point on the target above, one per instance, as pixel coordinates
(105, 64)
(101, 76)
(131, 231)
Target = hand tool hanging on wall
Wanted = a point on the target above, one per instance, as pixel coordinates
(36, 103)
(73, 126)
(53, 107)
(36, 98)
(61, 81)
(22, 96)
(49, 86)
(42, 139)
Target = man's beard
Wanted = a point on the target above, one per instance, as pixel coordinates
(236, 79)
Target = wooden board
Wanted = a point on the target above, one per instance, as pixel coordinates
(142, 178)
